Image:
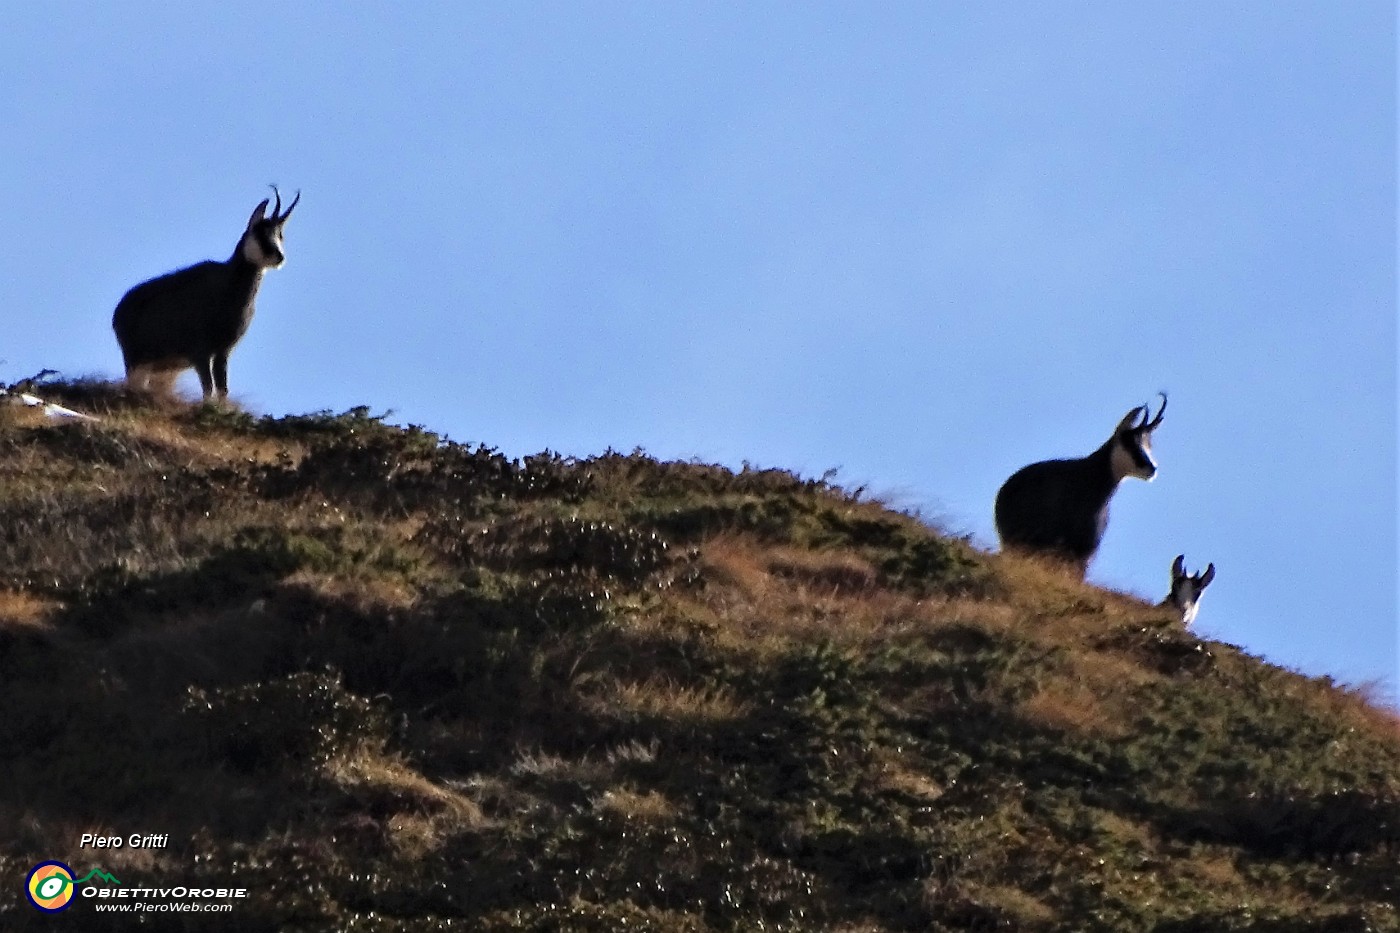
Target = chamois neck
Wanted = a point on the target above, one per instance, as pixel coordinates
(1100, 464)
(242, 265)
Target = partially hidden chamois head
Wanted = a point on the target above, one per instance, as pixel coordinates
(261, 243)
(1186, 589)
(1132, 442)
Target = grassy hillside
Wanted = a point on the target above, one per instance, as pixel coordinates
(391, 683)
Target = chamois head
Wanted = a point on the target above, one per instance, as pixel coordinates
(1186, 589)
(1132, 442)
(261, 243)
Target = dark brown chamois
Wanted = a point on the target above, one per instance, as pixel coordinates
(1059, 508)
(192, 317)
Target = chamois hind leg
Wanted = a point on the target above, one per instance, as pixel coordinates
(162, 382)
(137, 376)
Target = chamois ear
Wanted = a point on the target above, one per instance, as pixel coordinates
(258, 213)
(1208, 576)
(1178, 567)
(1130, 420)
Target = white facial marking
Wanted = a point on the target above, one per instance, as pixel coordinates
(253, 251)
(250, 249)
(1124, 464)
(1186, 596)
(1145, 445)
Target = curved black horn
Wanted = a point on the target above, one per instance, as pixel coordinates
(278, 206)
(282, 217)
(1150, 425)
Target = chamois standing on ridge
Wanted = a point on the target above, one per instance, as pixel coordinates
(1185, 595)
(192, 317)
(1059, 508)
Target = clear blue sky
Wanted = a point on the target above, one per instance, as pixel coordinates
(926, 243)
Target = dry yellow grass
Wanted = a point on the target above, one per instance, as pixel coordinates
(364, 594)
(736, 564)
(21, 611)
(996, 617)
(752, 567)
(664, 699)
(895, 774)
(1018, 907)
(547, 765)
(764, 596)
(211, 449)
(16, 415)
(1218, 872)
(1364, 707)
(426, 814)
(830, 573)
(649, 807)
(1127, 830)
(1068, 706)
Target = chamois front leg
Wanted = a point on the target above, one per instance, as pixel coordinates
(220, 375)
(204, 368)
